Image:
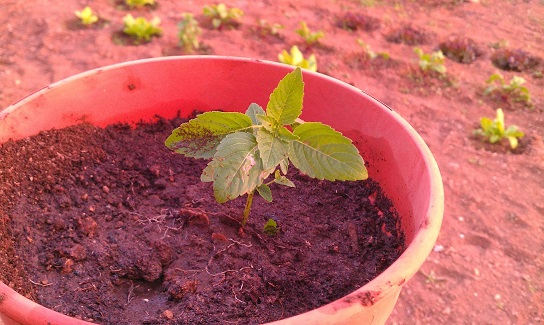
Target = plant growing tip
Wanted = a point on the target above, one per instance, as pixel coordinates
(250, 152)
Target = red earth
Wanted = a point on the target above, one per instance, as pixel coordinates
(487, 266)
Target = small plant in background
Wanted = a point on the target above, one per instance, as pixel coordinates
(309, 37)
(86, 16)
(140, 28)
(356, 21)
(508, 92)
(221, 15)
(495, 130)
(139, 3)
(251, 151)
(296, 58)
(407, 35)
(514, 60)
(371, 54)
(433, 62)
(462, 50)
(265, 28)
(189, 33)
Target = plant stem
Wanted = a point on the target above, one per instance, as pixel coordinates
(247, 209)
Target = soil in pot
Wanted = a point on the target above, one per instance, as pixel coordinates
(110, 226)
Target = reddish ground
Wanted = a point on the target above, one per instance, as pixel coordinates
(487, 267)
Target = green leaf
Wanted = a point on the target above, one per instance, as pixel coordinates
(513, 142)
(283, 180)
(272, 149)
(271, 227)
(284, 166)
(200, 136)
(253, 111)
(324, 153)
(285, 104)
(237, 167)
(268, 122)
(264, 192)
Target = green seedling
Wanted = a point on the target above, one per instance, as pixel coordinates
(86, 16)
(189, 33)
(221, 15)
(140, 28)
(514, 90)
(296, 58)
(309, 37)
(431, 61)
(265, 28)
(139, 3)
(271, 227)
(250, 152)
(371, 54)
(494, 130)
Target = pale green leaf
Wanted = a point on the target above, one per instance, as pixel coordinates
(324, 153)
(272, 149)
(513, 142)
(253, 111)
(265, 192)
(237, 167)
(285, 104)
(284, 166)
(200, 136)
(283, 180)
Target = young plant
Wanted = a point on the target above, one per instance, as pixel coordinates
(86, 16)
(296, 58)
(431, 62)
(271, 227)
(508, 91)
(139, 3)
(265, 28)
(494, 130)
(221, 15)
(189, 33)
(140, 28)
(251, 151)
(371, 54)
(309, 37)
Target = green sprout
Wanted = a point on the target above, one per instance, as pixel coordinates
(296, 58)
(494, 130)
(139, 3)
(189, 33)
(250, 152)
(271, 227)
(86, 16)
(508, 91)
(309, 37)
(371, 54)
(221, 15)
(140, 28)
(265, 28)
(431, 62)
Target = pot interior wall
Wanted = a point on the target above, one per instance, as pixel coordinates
(131, 92)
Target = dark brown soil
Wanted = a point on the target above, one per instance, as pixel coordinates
(110, 226)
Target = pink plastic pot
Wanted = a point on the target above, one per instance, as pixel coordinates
(397, 156)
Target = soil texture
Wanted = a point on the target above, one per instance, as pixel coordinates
(114, 228)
